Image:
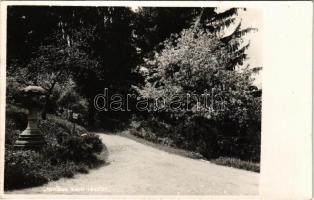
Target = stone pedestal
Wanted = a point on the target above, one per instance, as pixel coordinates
(31, 137)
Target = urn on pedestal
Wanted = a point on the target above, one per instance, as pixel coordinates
(31, 137)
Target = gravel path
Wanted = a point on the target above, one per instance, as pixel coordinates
(134, 168)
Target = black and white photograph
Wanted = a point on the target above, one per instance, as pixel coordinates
(133, 100)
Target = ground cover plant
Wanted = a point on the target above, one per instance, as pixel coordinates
(65, 154)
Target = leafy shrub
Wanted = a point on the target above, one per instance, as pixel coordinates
(83, 169)
(237, 163)
(13, 93)
(93, 141)
(160, 128)
(199, 135)
(77, 149)
(67, 125)
(16, 121)
(17, 117)
(195, 134)
(11, 132)
(65, 154)
(63, 169)
(152, 130)
(81, 148)
(23, 168)
(238, 147)
(72, 100)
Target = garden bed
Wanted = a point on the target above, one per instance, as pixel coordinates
(181, 141)
(65, 154)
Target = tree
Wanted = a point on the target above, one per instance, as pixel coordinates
(27, 26)
(199, 60)
(53, 64)
(153, 25)
(92, 46)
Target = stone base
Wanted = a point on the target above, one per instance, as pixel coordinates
(30, 140)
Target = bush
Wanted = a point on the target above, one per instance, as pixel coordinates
(65, 154)
(81, 148)
(196, 134)
(17, 116)
(63, 169)
(238, 147)
(78, 149)
(16, 121)
(11, 132)
(13, 93)
(23, 169)
(237, 163)
(94, 142)
(67, 125)
(199, 135)
(152, 130)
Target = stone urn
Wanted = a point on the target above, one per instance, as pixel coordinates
(31, 138)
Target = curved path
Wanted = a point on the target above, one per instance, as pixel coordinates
(137, 169)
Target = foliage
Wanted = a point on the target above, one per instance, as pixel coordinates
(153, 25)
(160, 146)
(13, 90)
(165, 53)
(100, 47)
(152, 130)
(195, 134)
(65, 154)
(198, 135)
(23, 168)
(65, 124)
(244, 148)
(29, 168)
(16, 121)
(93, 46)
(70, 99)
(196, 63)
(200, 60)
(74, 148)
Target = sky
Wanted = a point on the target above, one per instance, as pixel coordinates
(253, 18)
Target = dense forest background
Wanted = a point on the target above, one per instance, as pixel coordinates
(76, 52)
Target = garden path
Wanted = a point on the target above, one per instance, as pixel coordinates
(137, 169)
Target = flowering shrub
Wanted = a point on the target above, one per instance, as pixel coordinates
(195, 61)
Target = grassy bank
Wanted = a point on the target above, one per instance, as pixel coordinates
(237, 163)
(225, 161)
(172, 150)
